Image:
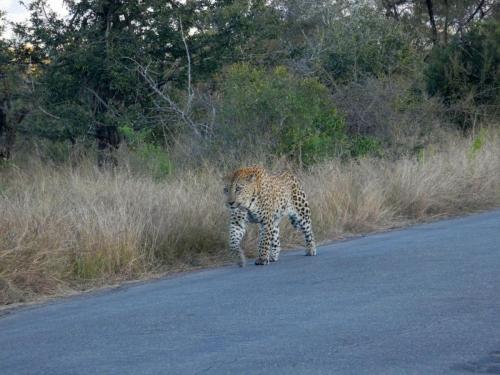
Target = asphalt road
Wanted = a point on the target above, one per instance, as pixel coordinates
(423, 300)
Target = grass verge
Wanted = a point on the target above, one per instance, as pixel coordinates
(64, 229)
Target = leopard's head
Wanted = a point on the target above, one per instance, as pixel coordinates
(242, 187)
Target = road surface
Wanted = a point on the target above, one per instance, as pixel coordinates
(422, 300)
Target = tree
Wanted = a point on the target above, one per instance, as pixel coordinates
(91, 84)
(440, 19)
(13, 91)
(467, 72)
(364, 43)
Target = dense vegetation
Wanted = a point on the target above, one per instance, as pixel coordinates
(118, 122)
(299, 79)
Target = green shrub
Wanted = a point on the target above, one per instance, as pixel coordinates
(293, 116)
(363, 145)
(467, 71)
(155, 160)
(153, 157)
(365, 43)
(478, 143)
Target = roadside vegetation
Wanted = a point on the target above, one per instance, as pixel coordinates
(67, 228)
(118, 124)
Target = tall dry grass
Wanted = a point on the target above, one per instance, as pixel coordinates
(66, 228)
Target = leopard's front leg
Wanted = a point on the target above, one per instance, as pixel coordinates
(275, 243)
(237, 229)
(265, 237)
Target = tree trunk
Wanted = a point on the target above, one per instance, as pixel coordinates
(108, 140)
(8, 130)
(432, 21)
(446, 22)
(7, 134)
(107, 137)
(4, 149)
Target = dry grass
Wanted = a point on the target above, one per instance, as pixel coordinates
(65, 229)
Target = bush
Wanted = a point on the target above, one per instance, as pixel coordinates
(393, 111)
(292, 116)
(466, 73)
(364, 44)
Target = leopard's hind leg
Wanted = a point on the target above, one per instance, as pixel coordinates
(300, 217)
(303, 223)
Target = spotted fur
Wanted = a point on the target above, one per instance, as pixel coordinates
(254, 196)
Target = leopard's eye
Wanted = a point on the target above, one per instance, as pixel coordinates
(226, 190)
(238, 188)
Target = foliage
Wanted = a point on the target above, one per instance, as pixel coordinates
(242, 31)
(220, 72)
(478, 143)
(15, 94)
(296, 116)
(85, 81)
(467, 69)
(438, 20)
(155, 160)
(367, 44)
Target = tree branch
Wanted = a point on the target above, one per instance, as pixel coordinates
(471, 17)
(190, 93)
(184, 116)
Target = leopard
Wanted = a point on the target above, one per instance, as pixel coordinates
(254, 196)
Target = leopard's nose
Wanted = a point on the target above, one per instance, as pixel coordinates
(231, 203)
